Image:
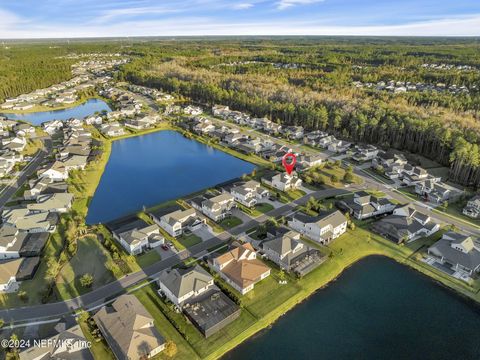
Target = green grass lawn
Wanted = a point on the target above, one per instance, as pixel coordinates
(230, 222)
(189, 240)
(148, 258)
(263, 207)
(295, 194)
(99, 349)
(68, 285)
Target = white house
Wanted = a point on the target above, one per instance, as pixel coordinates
(175, 223)
(137, 240)
(57, 172)
(8, 274)
(322, 229)
(283, 181)
(249, 193)
(473, 207)
(219, 207)
(11, 241)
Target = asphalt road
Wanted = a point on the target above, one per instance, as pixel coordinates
(29, 170)
(107, 292)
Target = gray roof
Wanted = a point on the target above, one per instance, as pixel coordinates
(334, 218)
(9, 234)
(443, 248)
(182, 281)
(125, 326)
(282, 245)
(54, 350)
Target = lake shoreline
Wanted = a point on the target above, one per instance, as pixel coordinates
(261, 331)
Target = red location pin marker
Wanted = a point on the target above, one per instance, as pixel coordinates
(288, 162)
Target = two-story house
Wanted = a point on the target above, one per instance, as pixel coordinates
(240, 268)
(181, 285)
(322, 228)
(249, 193)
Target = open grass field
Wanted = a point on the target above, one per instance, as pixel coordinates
(68, 284)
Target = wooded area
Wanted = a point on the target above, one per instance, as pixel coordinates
(309, 83)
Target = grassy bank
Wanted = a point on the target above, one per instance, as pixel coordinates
(270, 300)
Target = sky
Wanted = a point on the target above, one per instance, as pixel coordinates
(106, 18)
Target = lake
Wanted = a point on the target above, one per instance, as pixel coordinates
(87, 108)
(153, 168)
(377, 309)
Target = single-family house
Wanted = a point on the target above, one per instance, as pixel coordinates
(364, 153)
(57, 202)
(472, 209)
(437, 192)
(176, 222)
(363, 205)
(406, 224)
(66, 344)
(56, 172)
(11, 242)
(181, 285)
(339, 146)
(283, 181)
(218, 207)
(284, 249)
(311, 160)
(458, 251)
(129, 329)
(322, 228)
(24, 220)
(112, 129)
(240, 268)
(249, 193)
(139, 239)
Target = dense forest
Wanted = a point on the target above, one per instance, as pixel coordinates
(308, 82)
(26, 67)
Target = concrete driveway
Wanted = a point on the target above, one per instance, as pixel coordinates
(204, 233)
(241, 215)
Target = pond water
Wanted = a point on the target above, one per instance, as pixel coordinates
(153, 168)
(377, 309)
(89, 107)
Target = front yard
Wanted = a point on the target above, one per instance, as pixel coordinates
(230, 222)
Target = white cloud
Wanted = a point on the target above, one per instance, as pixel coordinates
(13, 26)
(285, 4)
(242, 6)
(112, 14)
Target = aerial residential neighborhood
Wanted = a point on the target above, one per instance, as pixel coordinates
(166, 194)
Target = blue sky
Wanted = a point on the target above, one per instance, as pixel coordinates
(88, 18)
